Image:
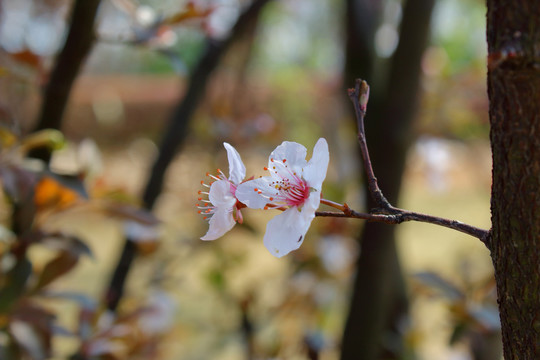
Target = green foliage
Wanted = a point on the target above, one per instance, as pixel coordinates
(458, 27)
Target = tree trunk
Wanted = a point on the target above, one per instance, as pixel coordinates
(513, 34)
(67, 65)
(379, 299)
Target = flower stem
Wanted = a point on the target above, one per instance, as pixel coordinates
(334, 204)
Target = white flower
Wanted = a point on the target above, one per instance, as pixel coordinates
(222, 209)
(294, 185)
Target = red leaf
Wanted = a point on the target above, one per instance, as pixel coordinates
(190, 12)
(55, 268)
(28, 58)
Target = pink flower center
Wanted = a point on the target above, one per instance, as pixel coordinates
(290, 192)
(288, 189)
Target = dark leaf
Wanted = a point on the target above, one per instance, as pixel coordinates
(35, 315)
(32, 342)
(68, 243)
(443, 286)
(55, 268)
(146, 237)
(458, 332)
(85, 301)
(487, 316)
(9, 352)
(29, 340)
(15, 284)
(7, 137)
(18, 183)
(48, 138)
(61, 331)
(128, 212)
(31, 327)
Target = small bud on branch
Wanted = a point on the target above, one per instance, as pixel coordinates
(364, 96)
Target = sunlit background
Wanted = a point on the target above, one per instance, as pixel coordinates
(282, 82)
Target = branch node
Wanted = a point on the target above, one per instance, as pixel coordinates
(385, 212)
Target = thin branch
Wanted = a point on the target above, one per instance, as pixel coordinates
(385, 212)
(400, 216)
(360, 96)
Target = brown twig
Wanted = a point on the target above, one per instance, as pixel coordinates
(385, 212)
(403, 215)
(359, 97)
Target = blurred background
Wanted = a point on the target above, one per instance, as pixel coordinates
(100, 250)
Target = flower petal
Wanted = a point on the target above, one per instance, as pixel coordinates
(315, 171)
(311, 205)
(237, 170)
(246, 193)
(293, 153)
(221, 222)
(285, 232)
(220, 194)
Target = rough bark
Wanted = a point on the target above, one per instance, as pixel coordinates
(378, 298)
(513, 34)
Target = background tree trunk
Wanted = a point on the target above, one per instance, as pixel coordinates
(67, 65)
(379, 298)
(513, 34)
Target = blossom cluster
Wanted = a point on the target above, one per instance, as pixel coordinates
(293, 187)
